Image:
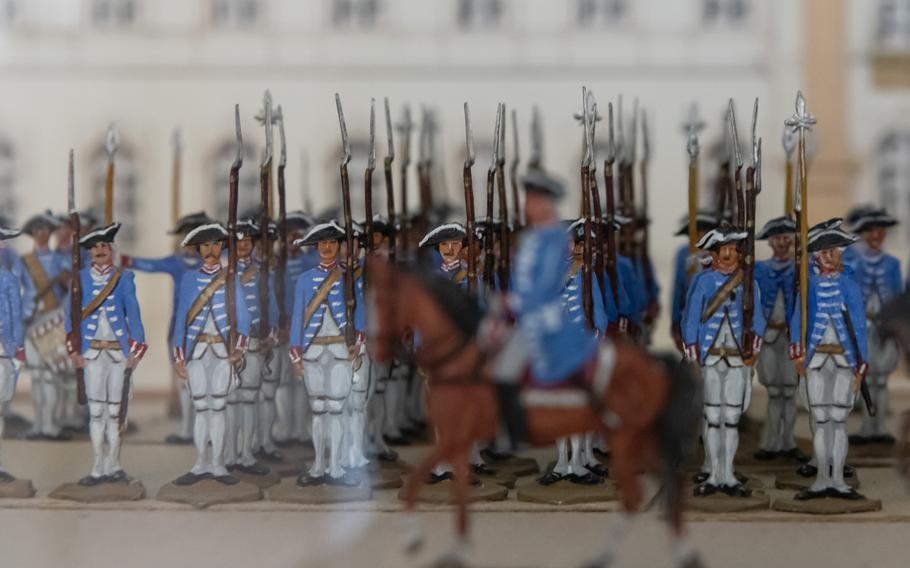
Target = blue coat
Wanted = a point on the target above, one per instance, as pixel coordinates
(694, 331)
(252, 299)
(680, 284)
(774, 276)
(829, 297)
(572, 296)
(652, 289)
(175, 266)
(11, 329)
(558, 345)
(633, 287)
(303, 332)
(878, 273)
(121, 309)
(296, 266)
(192, 284)
(53, 265)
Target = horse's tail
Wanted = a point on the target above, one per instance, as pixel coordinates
(676, 428)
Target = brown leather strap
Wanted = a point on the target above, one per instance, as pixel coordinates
(103, 294)
(460, 276)
(722, 294)
(101, 344)
(249, 273)
(41, 281)
(328, 340)
(203, 298)
(573, 269)
(321, 294)
(209, 339)
(829, 349)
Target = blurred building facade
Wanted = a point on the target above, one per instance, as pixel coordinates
(70, 67)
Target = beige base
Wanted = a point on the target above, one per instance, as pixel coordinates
(102, 493)
(260, 481)
(17, 489)
(826, 506)
(564, 492)
(874, 451)
(722, 503)
(209, 492)
(288, 491)
(386, 478)
(442, 493)
(792, 480)
(515, 465)
(500, 477)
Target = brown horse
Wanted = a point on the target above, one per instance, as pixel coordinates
(647, 416)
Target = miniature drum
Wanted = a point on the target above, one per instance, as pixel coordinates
(47, 334)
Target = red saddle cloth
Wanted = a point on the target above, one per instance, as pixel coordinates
(581, 378)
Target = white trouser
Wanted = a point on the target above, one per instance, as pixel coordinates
(8, 375)
(46, 386)
(830, 395)
(271, 375)
(242, 412)
(376, 410)
(355, 414)
(328, 382)
(210, 383)
(882, 362)
(104, 391)
(778, 374)
(725, 394)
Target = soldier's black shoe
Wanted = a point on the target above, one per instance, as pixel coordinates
(232, 467)
(603, 454)
(482, 469)
(807, 470)
(227, 479)
(764, 455)
(265, 455)
(738, 490)
(34, 436)
(305, 480)
(178, 440)
(58, 437)
(549, 478)
(885, 439)
(860, 439)
(390, 456)
(849, 471)
(795, 454)
(492, 455)
(704, 490)
(740, 477)
(5, 477)
(397, 441)
(189, 478)
(700, 477)
(438, 478)
(586, 479)
(598, 470)
(809, 494)
(254, 469)
(343, 481)
(91, 481)
(118, 476)
(850, 494)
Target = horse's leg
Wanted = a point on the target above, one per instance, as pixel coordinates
(461, 463)
(412, 531)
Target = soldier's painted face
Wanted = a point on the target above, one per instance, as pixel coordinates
(102, 254)
(450, 250)
(828, 260)
(328, 251)
(782, 245)
(211, 252)
(578, 249)
(64, 234)
(244, 247)
(874, 237)
(726, 258)
(41, 235)
(539, 209)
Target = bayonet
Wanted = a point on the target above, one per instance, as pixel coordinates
(111, 144)
(536, 159)
(753, 188)
(350, 300)
(230, 287)
(281, 270)
(644, 246)
(741, 212)
(368, 182)
(504, 247)
(489, 265)
(788, 140)
(75, 337)
(610, 227)
(468, 183)
(587, 292)
(517, 220)
(404, 128)
(389, 187)
(593, 219)
(265, 209)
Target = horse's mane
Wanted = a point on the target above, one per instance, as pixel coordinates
(462, 309)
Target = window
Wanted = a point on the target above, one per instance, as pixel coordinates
(114, 13)
(355, 13)
(125, 190)
(721, 12)
(479, 14)
(591, 14)
(894, 176)
(893, 25)
(233, 14)
(9, 13)
(248, 190)
(8, 201)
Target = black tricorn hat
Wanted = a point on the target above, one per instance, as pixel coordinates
(871, 220)
(722, 235)
(99, 235)
(828, 234)
(443, 233)
(330, 231)
(43, 219)
(297, 221)
(381, 225)
(704, 222)
(538, 181)
(189, 222)
(6, 234)
(207, 233)
(856, 212)
(248, 227)
(777, 226)
(577, 229)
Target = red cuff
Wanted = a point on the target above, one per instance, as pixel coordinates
(361, 337)
(862, 369)
(795, 351)
(137, 349)
(692, 352)
(756, 344)
(125, 260)
(296, 354)
(179, 354)
(242, 343)
(20, 354)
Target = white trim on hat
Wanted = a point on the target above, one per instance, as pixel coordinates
(99, 232)
(444, 227)
(716, 237)
(207, 227)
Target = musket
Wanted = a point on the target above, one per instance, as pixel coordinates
(788, 139)
(517, 222)
(281, 269)
(469, 200)
(504, 250)
(644, 248)
(597, 212)
(230, 285)
(799, 123)
(692, 126)
(389, 186)
(753, 188)
(863, 387)
(76, 281)
(368, 185)
(404, 128)
(535, 161)
(350, 301)
(265, 193)
(723, 183)
(737, 172)
(424, 171)
(587, 298)
(610, 227)
(626, 155)
(488, 258)
(111, 143)
(177, 142)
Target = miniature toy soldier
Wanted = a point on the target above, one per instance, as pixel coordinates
(202, 352)
(714, 338)
(242, 415)
(113, 343)
(685, 266)
(12, 337)
(776, 279)
(318, 351)
(43, 280)
(283, 396)
(834, 358)
(176, 266)
(879, 277)
(448, 241)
